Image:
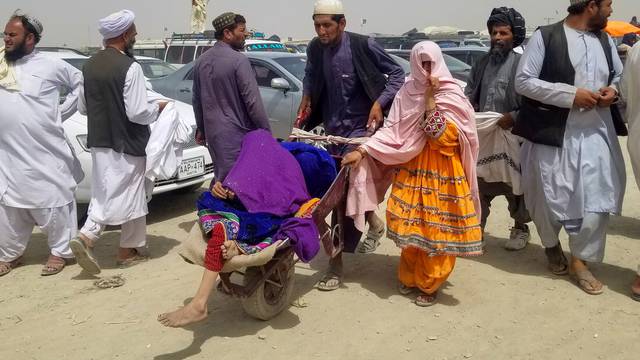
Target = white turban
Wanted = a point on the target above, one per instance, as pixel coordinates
(116, 24)
(328, 7)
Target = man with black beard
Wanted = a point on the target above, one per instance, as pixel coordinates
(114, 98)
(573, 172)
(491, 89)
(38, 171)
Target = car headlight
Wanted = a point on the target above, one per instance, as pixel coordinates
(82, 140)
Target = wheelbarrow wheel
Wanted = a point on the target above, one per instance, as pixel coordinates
(273, 295)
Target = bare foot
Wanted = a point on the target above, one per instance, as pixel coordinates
(229, 250)
(184, 316)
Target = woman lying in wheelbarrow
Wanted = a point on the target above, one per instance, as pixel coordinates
(263, 201)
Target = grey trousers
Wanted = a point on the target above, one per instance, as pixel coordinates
(587, 236)
(489, 191)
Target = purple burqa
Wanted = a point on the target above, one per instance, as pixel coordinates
(266, 178)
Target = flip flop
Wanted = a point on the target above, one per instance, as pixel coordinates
(54, 265)
(84, 256)
(322, 284)
(584, 280)
(426, 300)
(7, 267)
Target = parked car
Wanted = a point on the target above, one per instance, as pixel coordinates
(399, 42)
(279, 77)
(453, 43)
(467, 54)
(151, 48)
(196, 168)
(151, 67)
(458, 69)
(185, 48)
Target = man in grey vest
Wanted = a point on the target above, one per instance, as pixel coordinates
(572, 167)
(491, 87)
(349, 83)
(114, 99)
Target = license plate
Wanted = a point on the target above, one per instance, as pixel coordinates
(191, 168)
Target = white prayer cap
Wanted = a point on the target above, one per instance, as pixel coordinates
(328, 7)
(116, 24)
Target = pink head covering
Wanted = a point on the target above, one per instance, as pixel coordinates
(401, 139)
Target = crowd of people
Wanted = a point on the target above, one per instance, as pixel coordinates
(539, 128)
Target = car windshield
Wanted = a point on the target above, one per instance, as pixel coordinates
(294, 65)
(455, 65)
(154, 69)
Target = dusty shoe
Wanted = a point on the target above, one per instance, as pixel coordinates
(518, 239)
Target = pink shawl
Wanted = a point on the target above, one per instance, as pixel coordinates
(401, 140)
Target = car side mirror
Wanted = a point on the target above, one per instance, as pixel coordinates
(280, 84)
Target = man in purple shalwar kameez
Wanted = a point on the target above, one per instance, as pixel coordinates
(350, 83)
(227, 105)
(226, 99)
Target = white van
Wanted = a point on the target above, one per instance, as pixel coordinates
(185, 48)
(150, 48)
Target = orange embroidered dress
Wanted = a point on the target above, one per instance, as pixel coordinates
(431, 215)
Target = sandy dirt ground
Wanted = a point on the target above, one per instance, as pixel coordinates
(503, 305)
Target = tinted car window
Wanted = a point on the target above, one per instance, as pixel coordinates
(187, 54)
(294, 65)
(189, 75)
(202, 50)
(263, 74)
(174, 55)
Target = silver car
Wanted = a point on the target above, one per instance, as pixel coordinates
(279, 77)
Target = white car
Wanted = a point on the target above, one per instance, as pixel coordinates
(196, 167)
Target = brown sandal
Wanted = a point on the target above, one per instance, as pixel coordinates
(54, 265)
(585, 280)
(6, 267)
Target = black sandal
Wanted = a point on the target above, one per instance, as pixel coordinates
(558, 263)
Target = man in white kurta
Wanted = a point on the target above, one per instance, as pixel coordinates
(118, 195)
(630, 91)
(576, 186)
(37, 165)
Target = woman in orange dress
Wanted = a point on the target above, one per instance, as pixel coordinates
(430, 140)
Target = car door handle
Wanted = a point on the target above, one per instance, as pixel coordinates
(185, 90)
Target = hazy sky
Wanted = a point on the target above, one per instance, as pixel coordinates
(74, 22)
